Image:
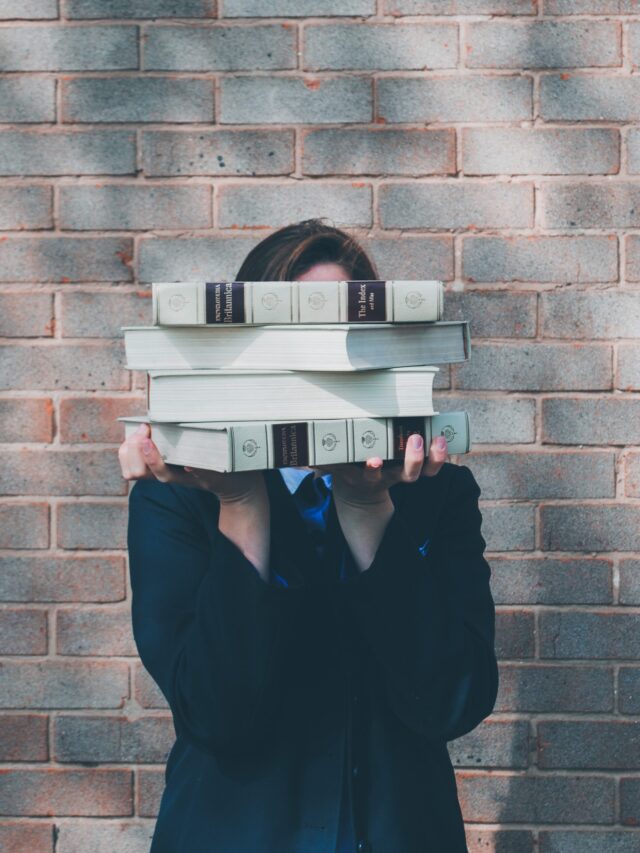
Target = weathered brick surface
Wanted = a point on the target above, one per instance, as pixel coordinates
(490, 144)
(65, 578)
(131, 208)
(136, 99)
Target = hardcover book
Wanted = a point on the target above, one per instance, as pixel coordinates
(224, 302)
(255, 445)
(269, 395)
(343, 347)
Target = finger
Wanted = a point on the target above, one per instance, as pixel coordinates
(154, 461)
(413, 457)
(438, 454)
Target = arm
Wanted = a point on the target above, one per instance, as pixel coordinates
(208, 628)
(429, 617)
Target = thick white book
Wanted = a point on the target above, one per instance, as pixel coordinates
(345, 346)
(270, 395)
(256, 445)
(222, 302)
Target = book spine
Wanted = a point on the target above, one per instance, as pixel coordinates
(224, 302)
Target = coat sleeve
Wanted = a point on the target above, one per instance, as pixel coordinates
(428, 613)
(209, 630)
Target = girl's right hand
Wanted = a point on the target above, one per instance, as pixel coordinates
(140, 460)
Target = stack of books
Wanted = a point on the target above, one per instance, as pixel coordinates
(253, 375)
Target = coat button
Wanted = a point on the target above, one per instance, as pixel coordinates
(362, 847)
(355, 770)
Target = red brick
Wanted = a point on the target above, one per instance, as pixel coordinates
(84, 419)
(26, 315)
(92, 366)
(92, 525)
(70, 578)
(145, 691)
(150, 789)
(23, 737)
(23, 632)
(19, 837)
(66, 792)
(26, 419)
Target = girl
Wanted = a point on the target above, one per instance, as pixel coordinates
(319, 635)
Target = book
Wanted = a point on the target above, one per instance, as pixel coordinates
(269, 395)
(222, 302)
(255, 445)
(326, 347)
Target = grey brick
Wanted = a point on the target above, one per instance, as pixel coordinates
(380, 47)
(141, 8)
(275, 100)
(82, 366)
(23, 631)
(193, 259)
(103, 836)
(544, 151)
(515, 631)
(628, 367)
(509, 527)
(61, 472)
(24, 525)
(297, 8)
(136, 99)
(44, 792)
(599, 420)
(50, 578)
(540, 259)
(494, 421)
(630, 582)
(589, 97)
(102, 631)
(537, 799)
(26, 419)
(543, 44)
(123, 208)
(63, 684)
(459, 7)
(419, 253)
(91, 152)
(540, 475)
(217, 152)
(633, 151)
(220, 48)
(548, 581)
(454, 98)
(605, 634)
(493, 314)
(26, 315)
(558, 689)
(601, 527)
(114, 739)
(574, 841)
(68, 48)
(374, 152)
(494, 743)
(25, 207)
(275, 205)
(27, 99)
(101, 315)
(456, 204)
(632, 475)
(150, 790)
(591, 7)
(629, 802)
(28, 9)
(629, 690)
(591, 205)
(600, 315)
(65, 259)
(602, 745)
(633, 257)
(92, 524)
(146, 691)
(536, 367)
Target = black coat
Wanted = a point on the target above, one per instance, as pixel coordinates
(268, 685)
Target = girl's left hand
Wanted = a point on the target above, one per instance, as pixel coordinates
(369, 483)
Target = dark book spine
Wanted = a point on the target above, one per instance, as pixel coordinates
(366, 301)
(402, 429)
(290, 444)
(224, 302)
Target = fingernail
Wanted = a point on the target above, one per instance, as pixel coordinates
(441, 442)
(146, 445)
(141, 428)
(416, 441)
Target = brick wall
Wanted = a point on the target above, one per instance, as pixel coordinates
(490, 143)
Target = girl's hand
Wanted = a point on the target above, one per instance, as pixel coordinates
(141, 460)
(359, 485)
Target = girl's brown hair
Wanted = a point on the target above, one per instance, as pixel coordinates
(291, 251)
